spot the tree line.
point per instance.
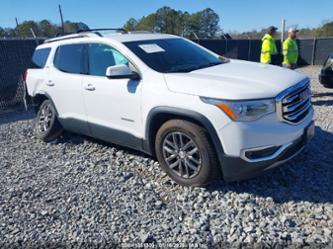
(43, 28)
(203, 24)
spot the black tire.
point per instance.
(205, 157)
(52, 128)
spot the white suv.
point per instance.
(201, 115)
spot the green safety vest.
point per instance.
(290, 52)
(268, 48)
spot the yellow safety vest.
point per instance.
(268, 48)
(290, 52)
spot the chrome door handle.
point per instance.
(50, 83)
(90, 87)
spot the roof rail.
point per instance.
(70, 36)
(141, 32)
(121, 30)
(83, 33)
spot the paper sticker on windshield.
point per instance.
(151, 48)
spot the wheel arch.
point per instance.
(39, 98)
(159, 115)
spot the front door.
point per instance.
(112, 105)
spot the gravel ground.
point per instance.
(81, 192)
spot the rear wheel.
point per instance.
(47, 126)
(185, 153)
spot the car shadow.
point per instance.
(307, 177)
(75, 139)
(16, 114)
(319, 95)
(318, 101)
(323, 102)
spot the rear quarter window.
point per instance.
(39, 57)
(68, 58)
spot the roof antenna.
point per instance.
(62, 20)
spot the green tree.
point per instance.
(205, 23)
(131, 24)
(148, 23)
(9, 32)
(23, 29)
(47, 29)
(2, 32)
(167, 20)
(326, 29)
(72, 27)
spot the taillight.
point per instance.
(25, 74)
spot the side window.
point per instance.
(39, 57)
(101, 57)
(68, 58)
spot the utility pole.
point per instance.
(16, 21)
(62, 19)
(283, 27)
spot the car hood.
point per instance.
(234, 80)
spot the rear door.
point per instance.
(65, 87)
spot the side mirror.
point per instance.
(121, 72)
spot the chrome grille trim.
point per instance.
(294, 102)
(294, 94)
(291, 108)
(299, 113)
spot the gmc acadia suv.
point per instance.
(203, 116)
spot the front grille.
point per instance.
(295, 103)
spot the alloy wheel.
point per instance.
(181, 154)
(45, 118)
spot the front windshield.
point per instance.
(172, 55)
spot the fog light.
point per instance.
(261, 153)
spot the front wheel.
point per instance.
(185, 153)
(47, 126)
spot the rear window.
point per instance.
(68, 58)
(39, 57)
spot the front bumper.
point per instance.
(236, 168)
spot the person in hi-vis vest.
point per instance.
(269, 51)
(290, 50)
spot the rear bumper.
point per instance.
(236, 168)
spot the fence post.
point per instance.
(314, 50)
(249, 54)
(226, 46)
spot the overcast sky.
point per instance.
(235, 15)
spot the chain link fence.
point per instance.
(15, 58)
(312, 51)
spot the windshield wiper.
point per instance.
(211, 64)
(193, 68)
(181, 70)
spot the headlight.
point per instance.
(243, 110)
